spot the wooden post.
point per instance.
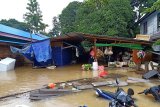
(30, 32)
(95, 49)
(146, 66)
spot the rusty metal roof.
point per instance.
(77, 37)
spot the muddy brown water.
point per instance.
(26, 78)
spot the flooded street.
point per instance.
(25, 79)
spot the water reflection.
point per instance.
(89, 74)
(7, 76)
(95, 73)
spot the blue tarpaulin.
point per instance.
(40, 52)
(27, 51)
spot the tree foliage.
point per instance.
(15, 24)
(34, 17)
(86, 17)
(104, 17)
(67, 17)
(140, 6)
(56, 27)
(155, 6)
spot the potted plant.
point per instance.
(156, 45)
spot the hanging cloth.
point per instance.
(77, 52)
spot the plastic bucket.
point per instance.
(95, 66)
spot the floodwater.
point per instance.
(26, 78)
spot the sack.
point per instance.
(110, 52)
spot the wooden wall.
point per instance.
(5, 52)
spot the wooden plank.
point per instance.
(84, 87)
(135, 80)
(143, 37)
(103, 83)
(54, 91)
(121, 83)
(40, 97)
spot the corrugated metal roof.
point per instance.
(20, 33)
(41, 35)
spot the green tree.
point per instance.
(119, 18)
(105, 17)
(89, 17)
(155, 6)
(34, 17)
(67, 17)
(140, 6)
(56, 27)
(15, 24)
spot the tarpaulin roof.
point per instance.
(124, 45)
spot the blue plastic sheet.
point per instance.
(26, 51)
(40, 52)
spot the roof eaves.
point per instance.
(14, 36)
(42, 36)
(20, 43)
(145, 16)
(17, 32)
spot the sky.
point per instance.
(17, 8)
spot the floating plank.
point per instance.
(121, 83)
(135, 80)
(40, 97)
(54, 91)
(83, 87)
(103, 83)
(47, 93)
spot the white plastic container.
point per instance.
(7, 64)
(95, 66)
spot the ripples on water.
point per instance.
(26, 78)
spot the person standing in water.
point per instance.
(108, 52)
(91, 55)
